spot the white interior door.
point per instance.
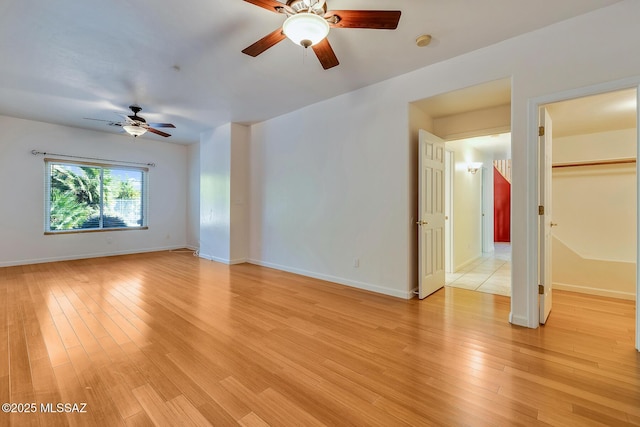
(545, 219)
(431, 214)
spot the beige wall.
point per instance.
(467, 204)
(482, 122)
(617, 144)
(594, 245)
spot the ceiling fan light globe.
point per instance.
(134, 131)
(305, 29)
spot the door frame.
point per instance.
(487, 208)
(449, 169)
(484, 247)
(534, 105)
(545, 147)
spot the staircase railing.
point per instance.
(504, 167)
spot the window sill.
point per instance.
(101, 230)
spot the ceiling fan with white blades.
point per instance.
(135, 125)
(308, 23)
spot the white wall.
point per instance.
(22, 180)
(224, 188)
(193, 196)
(329, 184)
(334, 180)
(215, 194)
(594, 246)
(239, 244)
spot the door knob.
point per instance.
(553, 224)
(421, 222)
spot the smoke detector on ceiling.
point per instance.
(423, 40)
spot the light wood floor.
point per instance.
(170, 339)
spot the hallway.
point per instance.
(490, 274)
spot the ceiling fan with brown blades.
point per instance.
(135, 125)
(308, 23)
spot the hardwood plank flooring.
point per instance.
(170, 339)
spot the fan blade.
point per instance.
(161, 125)
(98, 120)
(126, 118)
(271, 5)
(325, 54)
(265, 43)
(136, 118)
(157, 132)
(108, 122)
(374, 19)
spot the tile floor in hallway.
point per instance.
(490, 274)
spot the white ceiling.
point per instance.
(65, 60)
(596, 113)
(498, 147)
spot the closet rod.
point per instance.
(595, 163)
(44, 153)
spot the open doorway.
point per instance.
(481, 256)
(594, 246)
(597, 167)
(593, 204)
(484, 112)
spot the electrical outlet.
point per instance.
(356, 262)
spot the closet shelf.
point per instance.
(595, 163)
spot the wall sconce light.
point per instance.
(473, 167)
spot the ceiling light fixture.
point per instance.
(134, 130)
(305, 29)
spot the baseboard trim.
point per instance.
(334, 279)
(595, 291)
(223, 260)
(466, 263)
(87, 256)
(519, 320)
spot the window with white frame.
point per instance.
(92, 197)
